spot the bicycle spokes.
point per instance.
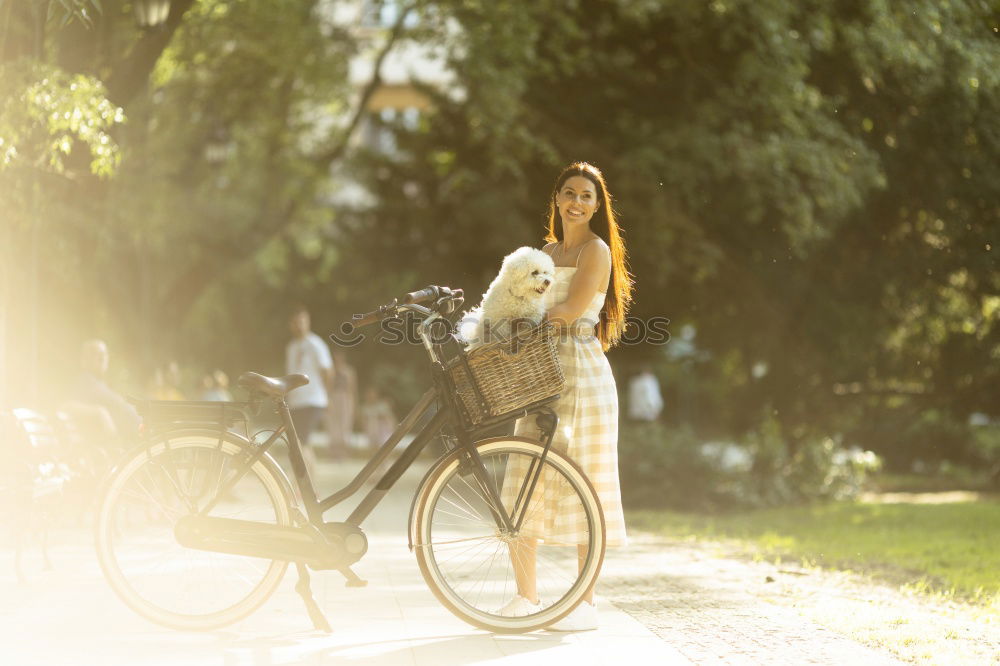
(479, 564)
(149, 496)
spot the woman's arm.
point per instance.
(592, 268)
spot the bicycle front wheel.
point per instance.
(149, 491)
(475, 565)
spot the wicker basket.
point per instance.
(501, 377)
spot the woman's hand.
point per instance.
(553, 317)
(557, 317)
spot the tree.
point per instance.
(812, 186)
(226, 158)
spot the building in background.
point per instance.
(397, 98)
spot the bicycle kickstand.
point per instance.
(305, 591)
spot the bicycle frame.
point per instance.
(327, 545)
(448, 413)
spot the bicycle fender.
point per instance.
(232, 437)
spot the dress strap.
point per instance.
(581, 250)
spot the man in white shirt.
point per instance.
(644, 398)
(307, 354)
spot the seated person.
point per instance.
(101, 414)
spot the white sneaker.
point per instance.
(519, 606)
(583, 618)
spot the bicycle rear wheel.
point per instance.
(467, 558)
(148, 492)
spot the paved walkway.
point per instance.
(710, 609)
(657, 604)
(69, 616)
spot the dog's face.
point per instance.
(529, 272)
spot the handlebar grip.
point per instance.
(426, 294)
(363, 320)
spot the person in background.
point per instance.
(215, 387)
(343, 399)
(307, 354)
(166, 381)
(377, 418)
(102, 414)
(645, 402)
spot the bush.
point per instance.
(663, 467)
(819, 468)
(986, 440)
(673, 467)
(911, 437)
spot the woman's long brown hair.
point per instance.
(612, 319)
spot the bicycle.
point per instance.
(197, 525)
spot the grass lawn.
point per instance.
(950, 549)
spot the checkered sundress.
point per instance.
(587, 433)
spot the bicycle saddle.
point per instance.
(271, 385)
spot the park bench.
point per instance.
(34, 479)
(52, 472)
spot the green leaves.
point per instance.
(811, 185)
(761, 153)
(45, 112)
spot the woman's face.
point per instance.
(577, 201)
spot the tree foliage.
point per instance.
(813, 186)
(45, 110)
(234, 124)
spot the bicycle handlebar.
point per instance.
(446, 301)
(422, 296)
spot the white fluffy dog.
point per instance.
(515, 294)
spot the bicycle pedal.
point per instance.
(352, 578)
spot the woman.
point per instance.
(587, 306)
